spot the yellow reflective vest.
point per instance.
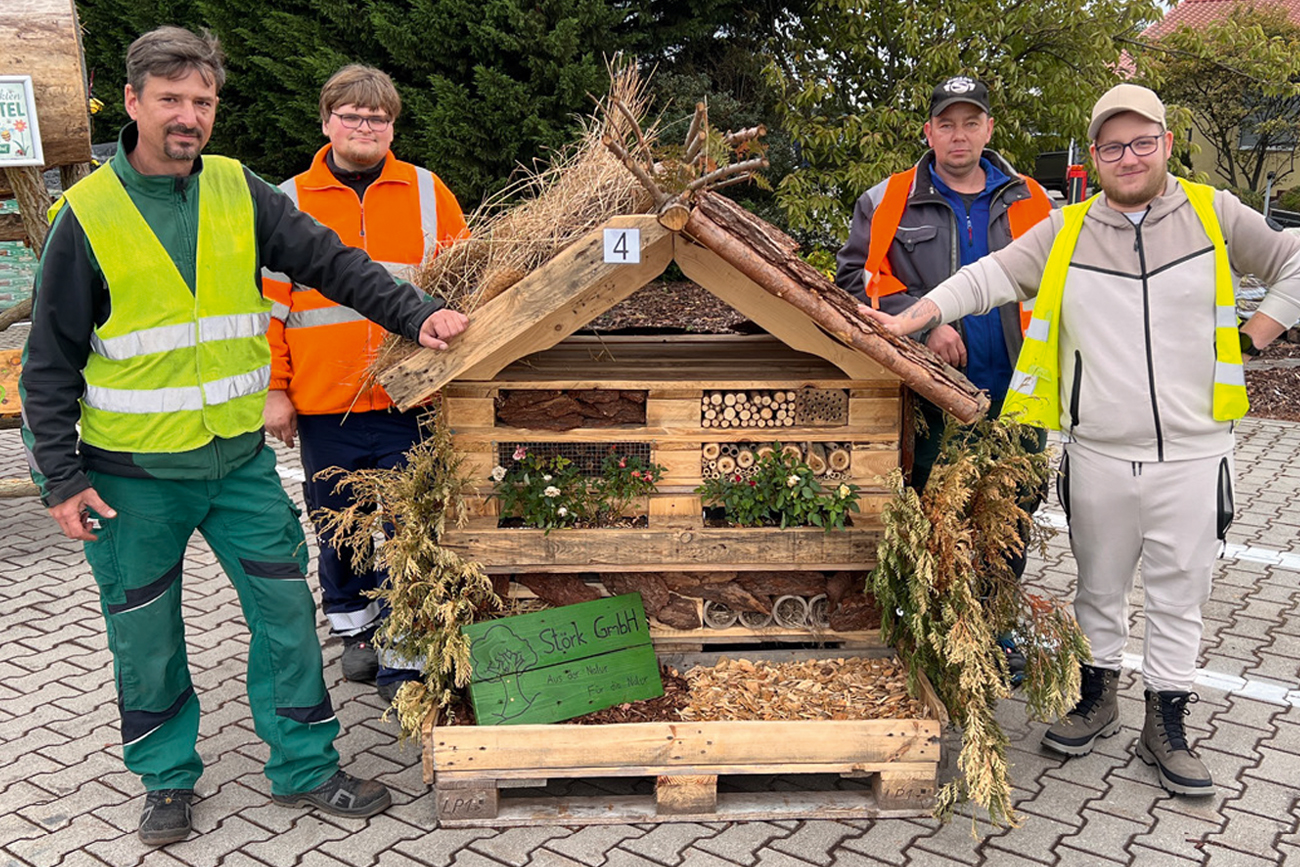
(171, 369)
(1034, 397)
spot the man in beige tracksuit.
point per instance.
(1135, 356)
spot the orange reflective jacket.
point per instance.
(320, 350)
(880, 280)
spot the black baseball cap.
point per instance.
(959, 88)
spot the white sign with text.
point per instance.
(20, 137)
(623, 246)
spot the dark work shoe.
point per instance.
(1015, 660)
(166, 816)
(1164, 744)
(342, 795)
(360, 663)
(1095, 716)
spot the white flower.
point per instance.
(551, 491)
(791, 481)
(561, 511)
(844, 491)
(498, 473)
(546, 478)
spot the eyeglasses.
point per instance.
(354, 121)
(1142, 146)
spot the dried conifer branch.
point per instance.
(636, 129)
(727, 171)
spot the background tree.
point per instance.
(1239, 79)
(855, 79)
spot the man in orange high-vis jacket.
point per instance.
(917, 228)
(400, 215)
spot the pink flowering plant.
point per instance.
(551, 492)
(782, 491)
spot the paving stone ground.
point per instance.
(65, 798)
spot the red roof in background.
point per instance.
(1198, 13)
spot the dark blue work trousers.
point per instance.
(353, 441)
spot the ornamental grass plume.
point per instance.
(947, 593)
(431, 592)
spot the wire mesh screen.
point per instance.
(587, 457)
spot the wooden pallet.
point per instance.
(477, 769)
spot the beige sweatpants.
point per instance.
(1163, 516)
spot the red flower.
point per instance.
(622, 464)
(737, 478)
(753, 484)
(20, 125)
(636, 474)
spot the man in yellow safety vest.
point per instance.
(1134, 354)
(144, 379)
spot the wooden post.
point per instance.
(686, 795)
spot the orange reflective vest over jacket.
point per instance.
(320, 350)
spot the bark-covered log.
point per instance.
(558, 590)
(773, 584)
(856, 611)
(654, 592)
(731, 594)
(767, 256)
(677, 580)
(550, 409)
(679, 613)
(841, 584)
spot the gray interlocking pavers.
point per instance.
(1178, 833)
(666, 843)
(364, 838)
(887, 841)
(439, 848)
(741, 841)
(1252, 833)
(50, 848)
(590, 845)
(1148, 857)
(817, 841)
(513, 845)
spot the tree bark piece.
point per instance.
(655, 594)
(856, 611)
(767, 256)
(28, 185)
(549, 409)
(558, 589)
(679, 613)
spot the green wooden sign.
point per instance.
(562, 662)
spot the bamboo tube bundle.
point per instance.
(710, 451)
(760, 409)
(726, 464)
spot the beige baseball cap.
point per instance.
(1122, 98)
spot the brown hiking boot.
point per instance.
(1164, 744)
(1095, 716)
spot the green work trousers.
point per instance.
(254, 530)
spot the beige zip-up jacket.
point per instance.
(1137, 317)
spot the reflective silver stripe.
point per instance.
(146, 341)
(1023, 383)
(392, 659)
(298, 287)
(140, 401)
(322, 316)
(1038, 330)
(1028, 305)
(401, 270)
(234, 326)
(352, 622)
(1225, 317)
(1229, 374)
(237, 386)
(279, 311)
(268, 274)
(428, 210)
(290, 189)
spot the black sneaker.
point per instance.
(342, 795)
(360, 662)
(166, 816)
(1016, 661)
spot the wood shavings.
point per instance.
(854, 688)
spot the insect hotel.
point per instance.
(816, 383)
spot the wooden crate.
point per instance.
(475, 767)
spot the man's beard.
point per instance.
(1153, 188)
(176, 151)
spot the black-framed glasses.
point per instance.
(354, 121)
(1142, 146)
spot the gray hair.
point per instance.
(172, 52)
